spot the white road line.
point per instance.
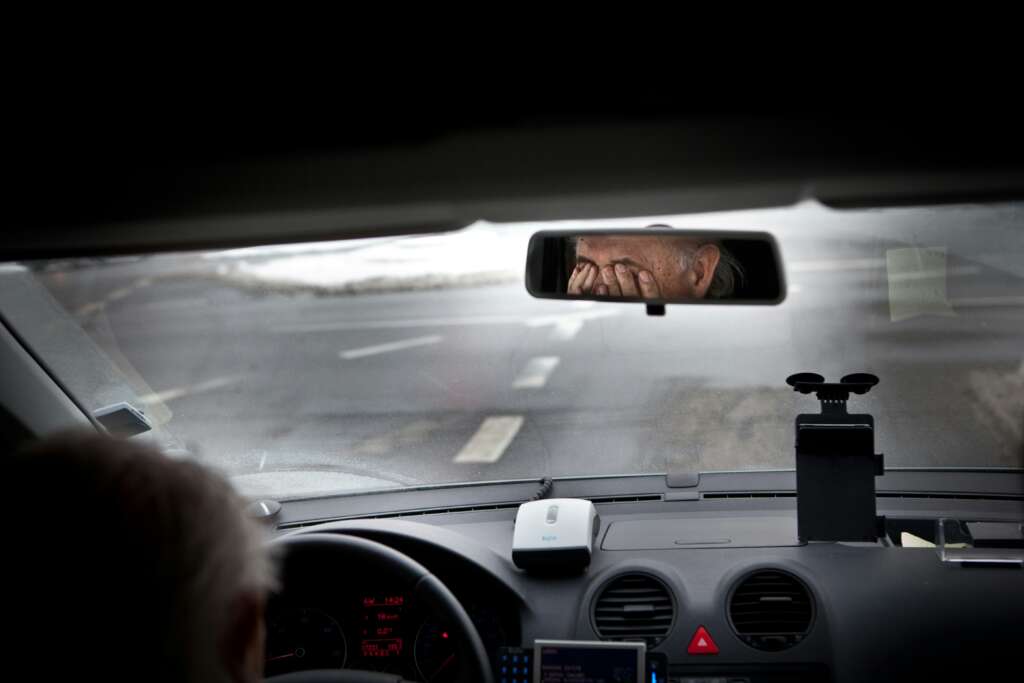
(567, 325)
(389, 347)
(982, 301)
(179, 392)
(144, 282)
(403, 323)
(535, 374)
(263, 461)
(566, 330)
(542, 320)
(119, 294)
(491, 440)
(90, 308)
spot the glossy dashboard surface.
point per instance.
(880, 611)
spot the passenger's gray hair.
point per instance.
(160, 552)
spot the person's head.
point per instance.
(133, 565)
(682, 267)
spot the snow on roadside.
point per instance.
(482, 253)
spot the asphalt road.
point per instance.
(293, 392)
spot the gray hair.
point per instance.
(161, 550)
(728, 273)
(230, 555)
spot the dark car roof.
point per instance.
(169, 181)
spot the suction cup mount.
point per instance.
(833, 395)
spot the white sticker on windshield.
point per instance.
(917, 282)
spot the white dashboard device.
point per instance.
(555, 535)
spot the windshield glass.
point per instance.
(404, 361)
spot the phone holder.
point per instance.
(836, 463)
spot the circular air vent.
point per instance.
(634, 607)
(771, 610)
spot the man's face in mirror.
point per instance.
(645, 266)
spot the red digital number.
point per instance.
(386, 601)
(387, 647)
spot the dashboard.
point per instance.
(717, 585)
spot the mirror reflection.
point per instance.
(652, 267)
(655, 265)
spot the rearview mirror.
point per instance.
(656, 266)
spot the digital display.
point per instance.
(381, 626)
(385, 647)
(383, 600)
(586, 662)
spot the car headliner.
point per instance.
(138, 192)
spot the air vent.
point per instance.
(749, 494)
(634, 607)
(771, 610)
(644, 498)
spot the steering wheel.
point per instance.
(306, 555)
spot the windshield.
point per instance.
(404, 361)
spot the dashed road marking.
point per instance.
(491, 440)
(115, 295)
(535, 374)
(118, 294)
(192, 389)
(567, 325)
(389, 347)
(566, 330)
(90, 308)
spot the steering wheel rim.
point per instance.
(299, 549)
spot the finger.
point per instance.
(648, 285)
(627, 285)
(579, 279)
(601, 290)
(575, 279)
(608, 278)
(590, 277)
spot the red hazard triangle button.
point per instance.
(701, 643)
